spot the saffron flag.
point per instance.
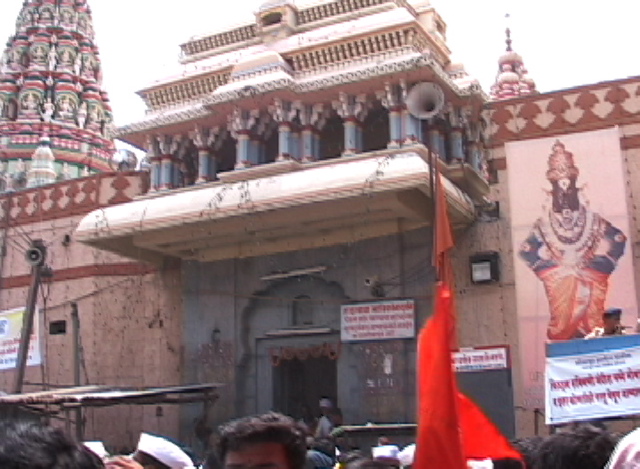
(481, 438)
(451, 428)
(438, 443)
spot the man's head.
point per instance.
(33, 446)
(611, 319)
(585, 447)
(268, 441)
(325, 405)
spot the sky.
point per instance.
(564, 43)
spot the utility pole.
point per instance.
(36, 256)
(77, 357)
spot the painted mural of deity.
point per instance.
(572, 250)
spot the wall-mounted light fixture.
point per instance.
(485, 267)
(215, 335)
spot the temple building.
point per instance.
(281, 242)
(55, 120)
(291, 175)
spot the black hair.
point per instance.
(585, 447)
(367, 463)
(145, 459)
(212, 462)
(528, 448)
(271, 427)
(32, 446)
(507, 463)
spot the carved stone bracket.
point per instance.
(242, 122)
(352, 107)
(393, 96)
(311, 116)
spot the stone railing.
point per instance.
(215, 41)
(72, 197)
(305, 62)
(338, 7)
(351, 50)
(178, 93)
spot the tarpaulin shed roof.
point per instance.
(103, 396)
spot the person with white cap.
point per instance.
(97, 448)
(627, 452)
(387, 454)
(155, 452)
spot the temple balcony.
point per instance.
(281, 206)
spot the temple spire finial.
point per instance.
(512, 79)
(508, 33)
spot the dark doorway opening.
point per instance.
(298, 386)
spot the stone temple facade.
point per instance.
(55, 120)
(291, 174)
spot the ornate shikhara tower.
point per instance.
(55, 119)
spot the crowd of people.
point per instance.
(275, 441)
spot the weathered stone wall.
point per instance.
(230, 297)
(130, 313)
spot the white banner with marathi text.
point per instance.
(593, 385)
(382, 320)
(480, 359)
(10, 332)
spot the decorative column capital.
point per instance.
(282, 111)
(165, 144)
(393, 96)
(311, 116)
(151, 143)
(200, 137)
(352, 107)
(241, 121)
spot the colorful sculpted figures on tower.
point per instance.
(573, 251)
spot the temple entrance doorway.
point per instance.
(301, 379)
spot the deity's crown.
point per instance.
(561, 163)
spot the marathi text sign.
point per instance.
(378, 321)
(484, 359)
(10, 331)
(593, 385)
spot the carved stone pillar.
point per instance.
(474, 145)
(456, 121)
(204, 139)
(155, 161)
(392, 98)
(353, 110)
(283, 113)
(313, 119)
(412, 128)
(168, 167)
(241, 124)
